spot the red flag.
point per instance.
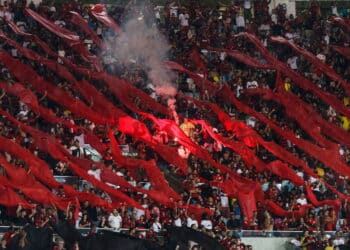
(344, 51)
(9, 198)
(320, 65)
(78, 20)
(67, 36)
(100, 13)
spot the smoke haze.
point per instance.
(143, 44)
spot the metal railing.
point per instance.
(67, 179)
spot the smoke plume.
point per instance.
(142, 44)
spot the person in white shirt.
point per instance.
(240, 23)
(115, 220)
(60, 23)
(157, 10)
(173, 11)
(247, 5)
(274, 17)
(247, 8)
(339, 240)
(302, 199)
(8, 15)
(95, 172)
(206, 223)
(334, 9)
(23, 114)
(138, 213)
(252, 84)
(292, 62)
(251, 121)
(300, 174)
(177, 221)
(14, 52)
(61, 53)
(322, 57)
(184, 17)
(289, 36)
(183, 152)
(52, 9)
(296, 242)
(80, 137)
(156, 225)
(192, 222)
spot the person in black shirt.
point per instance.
(91, 211)
(22, 217)
(234, 223)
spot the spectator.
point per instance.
(302, 199)
(59, 244)
(234, 222)
(84, 221)
(103, 222)
(339, 239)
(7, 237)
(22, 216)
(115, 220)
(95, 172)
(156, 225)
(240, 22)
(191, 221)
(206, 223)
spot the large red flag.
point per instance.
(320, 65)
(67, 36)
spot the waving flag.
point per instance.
(96, 107)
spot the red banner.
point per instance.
(199, 62)
(243, 58)
(330, 157)
(297, 213)
(31, 37)
(79, 21)
(317, 63)
(344, 51)
(307, 117)
(343, 21)
(100, 13)
(67, 36)
(9, 198)
(48, 144)
(27, 74)
(298, 79)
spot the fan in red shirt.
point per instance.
(151, 235)
(219, 224)
(218, 176)
(128, 221)
(8, 235)
(141, 223)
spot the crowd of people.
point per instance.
(188, 28)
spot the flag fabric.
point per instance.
(35, 182)
(100, 13)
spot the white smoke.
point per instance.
(143, 44)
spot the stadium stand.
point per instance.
(229, 121)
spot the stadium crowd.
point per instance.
(188, 28)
